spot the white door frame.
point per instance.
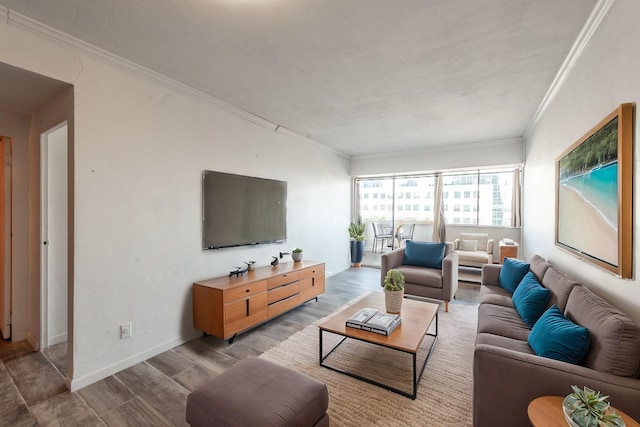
(44, 236)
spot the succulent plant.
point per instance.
(589, 408)
(394, 280)
(296, 250)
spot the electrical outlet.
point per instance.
(126, 331)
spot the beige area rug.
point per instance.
(444, 393)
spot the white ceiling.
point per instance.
(360, 76)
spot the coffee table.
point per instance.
(546, 411)
(417, 317)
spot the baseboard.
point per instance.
(57, 339)
(77, 383)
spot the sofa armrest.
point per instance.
(506, 381)
(490, 274)
(390, 260)
(489, 248)
(450, 275)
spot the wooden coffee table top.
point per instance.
(416, 319)
(546, 411)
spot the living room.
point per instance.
(140, 141)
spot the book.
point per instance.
(372, 320)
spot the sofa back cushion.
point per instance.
(539, 266)
(615, 339)
(560, 287)
(424, 254)
(481, 238)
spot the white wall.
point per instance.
(506, 152)
(604, 77)
(140, 147)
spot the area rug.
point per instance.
(444, 393)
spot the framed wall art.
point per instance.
(594, 194)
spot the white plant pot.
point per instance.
(393, 301)
(296, 256)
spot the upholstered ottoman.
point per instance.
(256, 392)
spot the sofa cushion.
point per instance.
(421, 276)
(477, 257)
(504, 342)
(615, 339)
(538, 266)
(560, 287)
(556, 337)
(512, 272)
(468, 245)
(497, 295)
(424, 254)
(500, 320)
(530, 299)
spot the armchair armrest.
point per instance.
(489, 248)
(505, 381)
(490, 274)
(450, 275)
(390, 260)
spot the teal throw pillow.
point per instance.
(556, 337)
(512, 272)
(530, 299)
(424, 254)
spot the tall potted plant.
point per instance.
(393, 291)
(356, 241)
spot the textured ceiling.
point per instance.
(360, 76)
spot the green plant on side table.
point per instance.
(588, 408)
(393, 290)
(296, 254)
(356, 237)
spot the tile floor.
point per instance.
(154, 392)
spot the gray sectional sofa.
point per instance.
(507, 374)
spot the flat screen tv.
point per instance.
(242, 210)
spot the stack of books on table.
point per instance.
(370, 319)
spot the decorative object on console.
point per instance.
(356, 242)
(588, 408)
(251, 265)
(239, 271)
(275, 261)
(594, 192)
(393, 291)
(296, 254)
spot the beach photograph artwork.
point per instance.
(588, 196)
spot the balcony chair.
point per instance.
(380, 234)
(404, 233)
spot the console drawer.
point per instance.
(282, 279)
(245, 312)
(311, 271)
(245, 291)
(283, 292)
(284, 305)
(311, 287)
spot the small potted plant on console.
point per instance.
(296, 254)
(393, 291)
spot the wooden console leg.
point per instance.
(446, 306)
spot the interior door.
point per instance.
(5, 237)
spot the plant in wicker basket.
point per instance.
(588, 408)
(393, 290)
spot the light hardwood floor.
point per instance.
(154, 392)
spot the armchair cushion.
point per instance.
(556, 337)
(424, 254)
(468, 245)
(530, 299)
(512, 272)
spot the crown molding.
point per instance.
(43, 31)
(577, 50)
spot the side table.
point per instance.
(546, 411)
(507, 250)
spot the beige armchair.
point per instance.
(474, 249)
(440, 284)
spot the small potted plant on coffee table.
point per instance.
(588, 408)
(393, 291)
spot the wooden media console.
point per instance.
(226, 306)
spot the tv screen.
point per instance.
(242, 210)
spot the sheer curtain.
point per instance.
(516, 220)
(439, 224)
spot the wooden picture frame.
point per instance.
(594, 194)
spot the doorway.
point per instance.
(54, 235)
